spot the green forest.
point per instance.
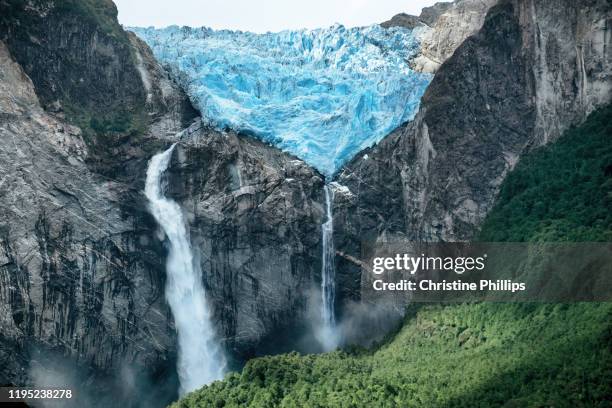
(560, 192)
(479, 354)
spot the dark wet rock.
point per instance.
(255, 215)
(402, 20)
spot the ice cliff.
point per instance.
(322, 95)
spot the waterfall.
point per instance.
(200, 358)
(327, 334)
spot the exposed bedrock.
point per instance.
(83, 107)
(534, 69)
(442, 28)
(255, 215)
(81, 275)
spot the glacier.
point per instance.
(322, 95)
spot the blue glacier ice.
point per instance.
(322, 95)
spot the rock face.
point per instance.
(82, 263)
(569, 48)
(80, 276)
(453, 24)
(255, 215)
(86, 69)
(402, 20)
(533, 69)
(442, 28)
(429, 15)
(39, 34)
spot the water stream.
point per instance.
(327, 334)
(200, 357)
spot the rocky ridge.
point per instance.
(442, 28)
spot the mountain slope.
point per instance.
(454, 356)
(512, 355)
(82, 263)
(516, 84)
(559, 193)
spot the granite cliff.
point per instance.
(83, 106)
(442, 28)
(534, 69)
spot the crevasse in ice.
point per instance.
(322, 95)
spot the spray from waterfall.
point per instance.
(327, 334)
(200, 358)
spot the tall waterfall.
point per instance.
(328, 335)
(200, 358)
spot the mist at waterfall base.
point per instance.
(200, 358)
(357, 323)
(323, 95)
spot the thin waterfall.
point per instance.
(327, 335)
(200, 357)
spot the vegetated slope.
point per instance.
(515, 355)
(90, 72)
(75, 52)
(561, 192)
